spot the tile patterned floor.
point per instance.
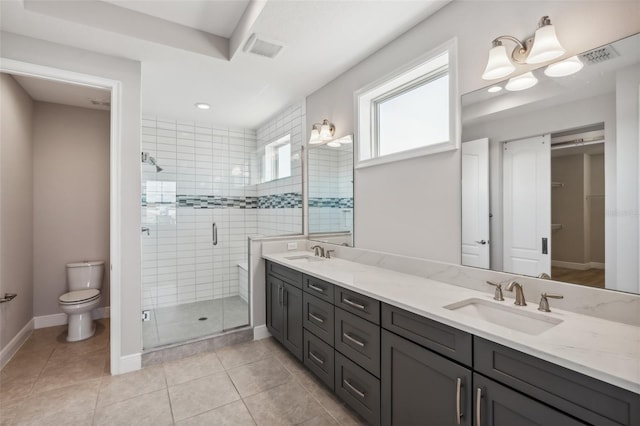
(52, 382)
(175, 324)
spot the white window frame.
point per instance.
(402, 79)
(271, 160)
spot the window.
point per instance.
(277, 160)
(161, 191)
(409, 113)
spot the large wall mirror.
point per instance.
(550, 173)
(330, 171)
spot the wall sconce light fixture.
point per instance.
(322, 132)
(542, 47)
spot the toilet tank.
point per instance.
(83, 275)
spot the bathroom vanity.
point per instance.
(402, 349)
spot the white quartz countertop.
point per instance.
(606, 350)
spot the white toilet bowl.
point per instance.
(84, 280)
(78, 306)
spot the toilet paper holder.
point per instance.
(8, 297)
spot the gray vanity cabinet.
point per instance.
(421, 387)
(292, 338)
(284, 307)
(585, 398)
(275, 312)
(497, 405)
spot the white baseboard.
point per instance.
(127, 364)
(18, 340)
(570, 265)
(53, 320)
(577, 266)
(260, 332)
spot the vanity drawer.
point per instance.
(291, 276)
(440, 338)
(359, 389)
(358, 304)
(319, 357)
(359, 340)
(317, 317)
(585, 398)
(318, 288)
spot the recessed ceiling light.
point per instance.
(494, 89)
(202, 105)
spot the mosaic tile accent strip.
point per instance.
(280, 201)
(276, 201)
(335, 203)
(216, 202)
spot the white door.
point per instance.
(527, 205)
(475, 203)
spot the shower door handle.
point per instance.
(214, 229)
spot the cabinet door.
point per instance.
(420, 386)
(275, 312)
(293, 320)
(497, 405)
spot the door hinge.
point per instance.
(146, 315)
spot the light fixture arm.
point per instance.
(520, 52)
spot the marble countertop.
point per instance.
(606, 350)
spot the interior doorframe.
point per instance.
(11, 66)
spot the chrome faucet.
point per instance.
(318, 250)
(519, 293)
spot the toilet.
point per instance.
(84, 281)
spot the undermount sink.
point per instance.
(306, 257)
(512, 317)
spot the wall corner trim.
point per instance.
(260, 332)
(128, 363)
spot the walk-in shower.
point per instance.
(210, 197)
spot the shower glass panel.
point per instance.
(196, 201)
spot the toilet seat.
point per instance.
(79, 296)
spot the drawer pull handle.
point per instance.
(317, 318)
(478, 410)
(354, 340)
(353, 388)
(354, 304)
(316, 288)
(316, 358)
(458, 387)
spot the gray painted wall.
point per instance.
(41, 52)
(16, 207)
(422, 195)
(71, 197)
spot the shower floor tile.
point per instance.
(179, 323)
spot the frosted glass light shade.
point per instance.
(499, 65)
(521, 82)
(564, 68)
(325, 132)
(315, 137)
(545, 46)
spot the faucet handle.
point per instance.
(498, 293)
(544, 302)
(328, 253)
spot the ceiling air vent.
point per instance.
(263, 47)
(601, 54)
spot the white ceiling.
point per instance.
(182, 65)
(217, 17)
(63, 93)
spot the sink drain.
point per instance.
(203, 319)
